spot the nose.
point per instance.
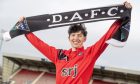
(76, 37)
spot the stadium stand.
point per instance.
(25, 75)
(21, 69)
(49, 77)
(0, 75)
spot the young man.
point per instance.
(75, 66)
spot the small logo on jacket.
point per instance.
(80, 53)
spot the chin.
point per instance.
(77, 47)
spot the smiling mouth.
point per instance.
(76, 42)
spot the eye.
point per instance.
(80, 35)
(73, 35)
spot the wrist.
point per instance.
(6, 36)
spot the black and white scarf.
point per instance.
(48, 21)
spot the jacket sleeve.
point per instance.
(101, 44)
(49, 51)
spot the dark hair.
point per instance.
(76, 28)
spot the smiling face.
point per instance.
(77, 35)
(77, 39)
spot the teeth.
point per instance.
(75, 42)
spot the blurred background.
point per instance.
(125, 58)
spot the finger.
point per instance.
(127, 5)
(21, 19)
(125, 2)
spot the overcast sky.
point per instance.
(127, 57)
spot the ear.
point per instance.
(69, 37)
(85, 39)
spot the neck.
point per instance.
(74, 49)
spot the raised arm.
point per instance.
(115, 31)
(48, 51)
